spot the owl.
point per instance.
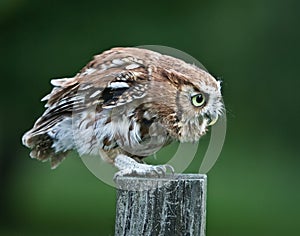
(124, 105)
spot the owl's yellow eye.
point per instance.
(198, 100)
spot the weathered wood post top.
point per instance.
(170, 205)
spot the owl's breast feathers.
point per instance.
(122, 98)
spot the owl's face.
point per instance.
(199, 106)
(189, 107)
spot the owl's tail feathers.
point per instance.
(41, 146)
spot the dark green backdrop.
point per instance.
(252, 45)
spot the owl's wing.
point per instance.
(123, 89)
(99, 83)
(103, 84)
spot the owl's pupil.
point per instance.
(199, 98)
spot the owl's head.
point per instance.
(194, 102)
(199, 106)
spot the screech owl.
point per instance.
(125, 105)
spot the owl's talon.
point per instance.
(170, 168)
(155, 172)
(128, 166)
(159, 170)
(125, 172)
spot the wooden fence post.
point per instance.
(171, 205)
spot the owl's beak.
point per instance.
(213, 118)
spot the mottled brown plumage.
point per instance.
(125, 104)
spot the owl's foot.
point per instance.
(129, 166)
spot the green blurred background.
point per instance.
(253, 46)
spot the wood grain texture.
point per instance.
(172, 205)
